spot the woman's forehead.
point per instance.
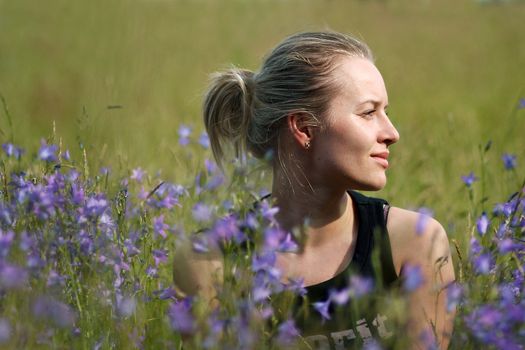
(360, 80)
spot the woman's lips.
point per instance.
(381, 158)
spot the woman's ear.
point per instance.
(301, 128)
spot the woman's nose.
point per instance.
(390, 134)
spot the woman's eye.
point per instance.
(369, 113)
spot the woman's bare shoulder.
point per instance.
(416, 238)
(197, 273)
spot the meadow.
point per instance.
(105, 169)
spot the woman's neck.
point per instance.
(322, 212)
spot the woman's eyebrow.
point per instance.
(372, 101)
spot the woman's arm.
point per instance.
(425, 245)
(197, 273)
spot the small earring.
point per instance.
(307, 145)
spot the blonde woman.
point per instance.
(319, 105)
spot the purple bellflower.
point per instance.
(77, 194)
(424, 216)
(429, 340)
(12, 277)
(483, 263)
(323, 307)
(204, 140)
(160, 256)
(152, 271)
(5, 330)
(482, 224)
(215, 181)
(504, 209)
(216, 327)
(288, 244)
(6, 239)
(27, 241)
(167, 293)
(260, 293)
(211, 166)
(137, 174)
(250, 221)
(201, 212)
(264, 262)
(180, 316)
(360, 286)
(125, 305)
(507, 245)
(12, 150)
(469, 179)
(454, 294)
(413, 277)
(340, 297)
(48, 308)
(287, 333)
(159, 227)
(6, 214)
(509, 161)
(200, 244)
(54, 279)
(277, 239)
(166, 196)
(296, 285)
(475, 246)
(521, 103)
(47, 152)
(265, 312)
(268, 212)
(184, 135)
(226, 228)
(41, 202)
(96, 206)
(66, 156)
(372, 344)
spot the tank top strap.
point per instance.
(373, 213)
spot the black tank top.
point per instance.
(351, 328)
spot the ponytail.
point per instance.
(228, 111)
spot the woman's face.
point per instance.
(351, 151)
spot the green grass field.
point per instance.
(119, 78)
(453, 70)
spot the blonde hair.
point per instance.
(246, 109)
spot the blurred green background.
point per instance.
(121, 76)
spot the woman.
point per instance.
(319, 106)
